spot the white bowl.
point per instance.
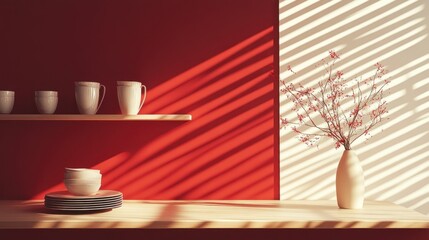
(81, 170)
(46, 94)
(82, 175)
(83, 189)
(6, 93)
(46, 104)
(83, 180)
(6, 103)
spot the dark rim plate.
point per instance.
(82, 205)
(101, 194)
(83, 201)
(83, 209)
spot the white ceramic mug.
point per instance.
(46, 101)
(7, 99)
(130, 96)
(87, 96)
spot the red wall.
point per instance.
(212, 59)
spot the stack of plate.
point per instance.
(65, 201)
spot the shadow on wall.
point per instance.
(225, 152)
(228, 140)
(395, 33)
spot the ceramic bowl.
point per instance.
(46, 94)
(7, 99)
(82, 175)
(95, 179)
(67, 169)
(46, 101)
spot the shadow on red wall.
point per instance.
(212, 59)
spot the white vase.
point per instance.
(350, 182)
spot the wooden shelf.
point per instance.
(215, 214)
(96, 117)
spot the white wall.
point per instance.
(395, 33)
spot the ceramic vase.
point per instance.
(350, 181)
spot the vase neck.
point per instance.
(349, 153)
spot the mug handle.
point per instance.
(144, 98)
(102, 98)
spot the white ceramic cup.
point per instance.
(130, 96)
(68, 169)
(83, 180)
(7, 99)
(81, 173)
(87, 96)
(46, 101)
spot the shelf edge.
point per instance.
(96, 117)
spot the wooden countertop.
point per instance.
(215, 214)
